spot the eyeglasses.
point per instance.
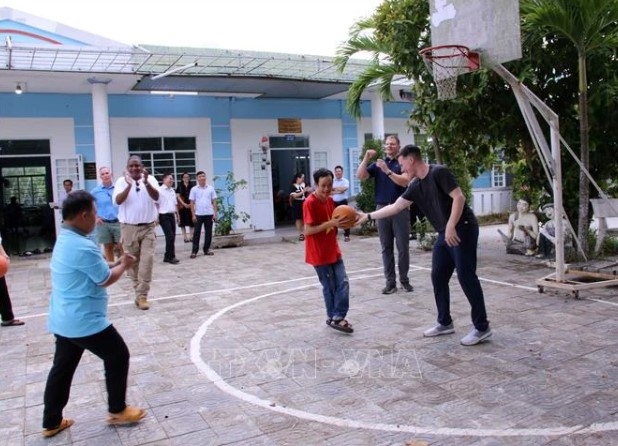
(137, 189)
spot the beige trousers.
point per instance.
(139, 241)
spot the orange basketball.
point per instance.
(4, 265)
(345, 211)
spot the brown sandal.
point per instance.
(66, 422)
(341, 325)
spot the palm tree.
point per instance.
(590, 25)
(392, 59)
(381, 70)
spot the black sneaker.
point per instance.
(389, 289)
(406, 286)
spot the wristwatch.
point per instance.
(389, 173)
(369, 217)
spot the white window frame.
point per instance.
(498, 175)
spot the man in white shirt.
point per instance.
(62, 195)
(168, 216)
(340, 194)
(136, 194)
(203, 200)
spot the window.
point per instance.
(355, 183)
(498, 177)
(25, 183)
(25, 147)
(320, 159)
(162, 155)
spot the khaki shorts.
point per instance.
(108, 233)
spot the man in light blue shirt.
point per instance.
(78, 317)
(108, 227)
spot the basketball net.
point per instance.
(445, 63)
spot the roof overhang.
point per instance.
(243, 86)
(144, 69)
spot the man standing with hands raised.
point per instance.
(136, 194)
(394, 230)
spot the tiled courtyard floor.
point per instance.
(234, 350)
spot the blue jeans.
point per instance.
(462, 258)
(335, 288)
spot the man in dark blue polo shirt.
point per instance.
(390, 183)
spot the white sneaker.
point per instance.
(439, 330)
(476, 337)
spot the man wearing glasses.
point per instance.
(136, 194)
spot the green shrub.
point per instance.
(365, 200)
(226, 210)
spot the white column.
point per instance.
(100, 118)
(377, 115)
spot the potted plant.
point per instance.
(227, 214)
(426, 234)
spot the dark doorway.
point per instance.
(285, 164)
(26, 190)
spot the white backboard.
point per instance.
(488, 26)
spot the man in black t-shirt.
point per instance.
(440, 198)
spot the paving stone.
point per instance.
(268, 371)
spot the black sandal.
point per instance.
(340, 325)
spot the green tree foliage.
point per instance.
(465, 132)
(589, 26)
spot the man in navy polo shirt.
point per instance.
(390, 183)
(108, 227)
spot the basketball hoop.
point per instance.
(445, 63)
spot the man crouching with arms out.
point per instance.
(78, 317)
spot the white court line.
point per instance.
(298, 279)
(212, 375)
(602, 301)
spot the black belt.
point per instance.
(115, 220)
(167, 213)
(140, 224)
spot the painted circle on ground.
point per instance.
(223, 385)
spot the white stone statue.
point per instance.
(523, 231)
(547, 234)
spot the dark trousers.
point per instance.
(6, 309)
(346, 232)
(206, 221)
(462, 258)
(168, 225)
(107, 345)
(395, 231)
